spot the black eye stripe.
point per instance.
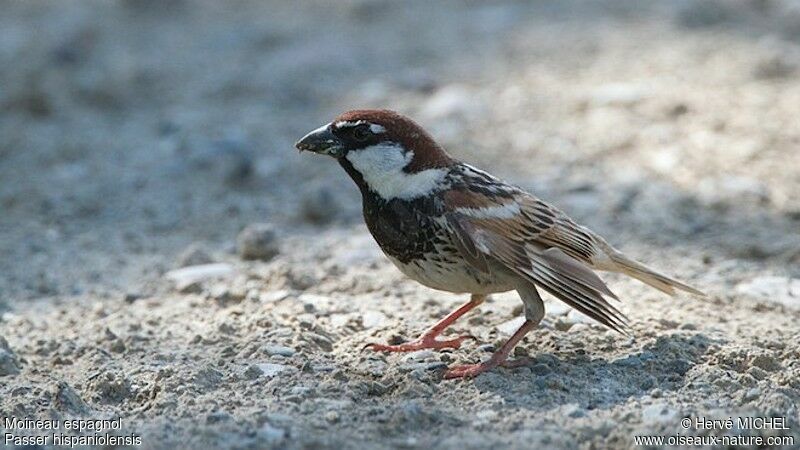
(361, 132)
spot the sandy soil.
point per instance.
(140, 137)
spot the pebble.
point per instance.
(618, 94)
(67, 400)
(752, 394)
(509, 327)
(419, 355)
(279, 350)
(270, 369)
(766, 362)
(257, 241)
(187, 278)
(557, 308)
(275, 296)
(8, 361)
(194, 255)
(373, 319)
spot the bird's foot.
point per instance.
(473, 370)
(425, 342)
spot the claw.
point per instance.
(368, 346)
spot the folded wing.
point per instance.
(534, 241)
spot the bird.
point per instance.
(455, 228)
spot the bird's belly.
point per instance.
(452, 275)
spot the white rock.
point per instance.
(576, 316)
(509, 327)
(274, 296)
(193, 274)
(373, 319)
(783, 290)
(618, 94)
(557, 308)
(257, 241)
(270, 369)
(339, 320)
(279, 350)
(419, 355)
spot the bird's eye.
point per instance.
(361, 133)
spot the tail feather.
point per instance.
(649, 276)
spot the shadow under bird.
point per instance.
(459, 229)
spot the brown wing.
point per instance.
(535, 241)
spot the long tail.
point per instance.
(649, 276)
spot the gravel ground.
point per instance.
(166, 258)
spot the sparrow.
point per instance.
(455, 228)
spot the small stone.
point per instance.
(188, 278)
(194, 255)
(8, 361)
(332, 417)
(279, 350)
(67, 400)
(270, 369)
(274, 296)
(511, 326)
(574, 411)
(752, 394)
(257, 241)
(110, 388)
(766, 362)
(373, 319)
(618, 94)
(252, 372)
(557, 308)
(131, 297)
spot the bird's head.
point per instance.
(384, 152)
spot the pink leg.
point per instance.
(497, 359)
(428, 339)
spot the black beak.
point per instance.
(322, 141)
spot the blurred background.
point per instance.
(132, 128)
(141, 136)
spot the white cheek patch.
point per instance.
(382, 168)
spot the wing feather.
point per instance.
(540, 244)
